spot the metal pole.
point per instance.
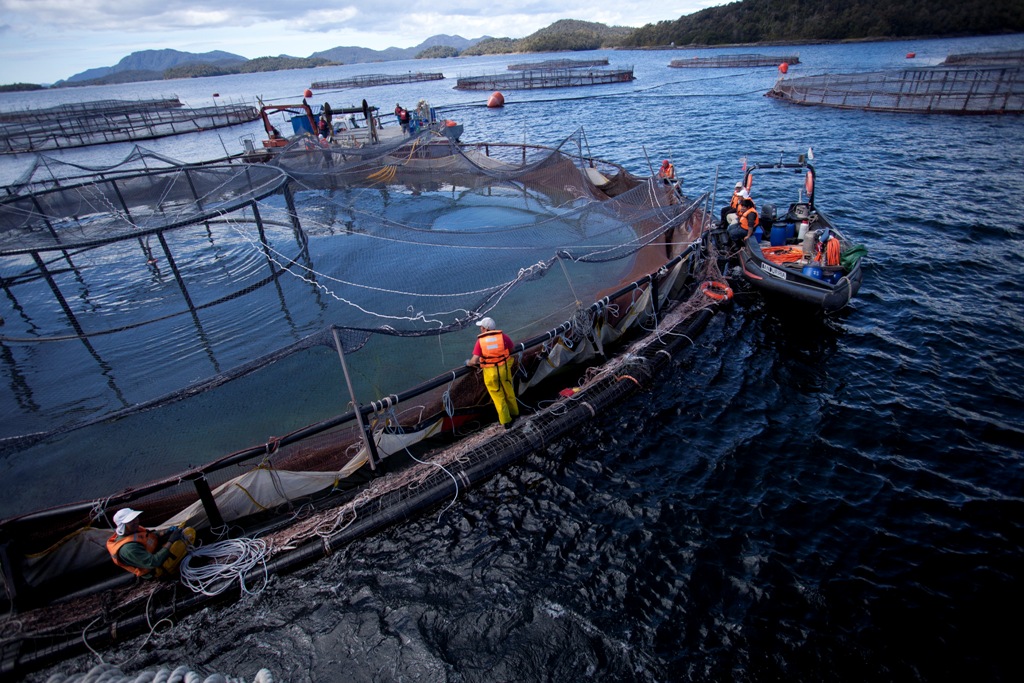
(371, 447)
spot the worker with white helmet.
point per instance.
(493, 353)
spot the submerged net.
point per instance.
(995, 89)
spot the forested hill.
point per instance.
(753, 21)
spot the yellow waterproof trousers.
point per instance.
(498, 380)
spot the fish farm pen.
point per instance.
(370, 80)
(558, 64)
(924, 90)
(546, 78)
(745, 60)
(96, 123)
(981, 58)
(272, 281)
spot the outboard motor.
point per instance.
(768, 217)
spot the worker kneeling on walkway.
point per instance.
(147, 554)
(493, 353)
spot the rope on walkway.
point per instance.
(110, 673)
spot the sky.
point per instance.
(42, 41)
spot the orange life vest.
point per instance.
(736, 199)
(668, 171)
(143, 536)
(749, 220)
(492, 348)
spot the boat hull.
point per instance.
(792, 285)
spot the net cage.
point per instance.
(980, 89)
(735, 60)
(266, 281)
(106, 121)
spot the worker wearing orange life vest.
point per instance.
(492, 353)
(734, 203)
(667, 172)
(748, 216)
(147, 554)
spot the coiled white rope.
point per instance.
(110, 673)
(228, 560)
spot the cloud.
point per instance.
(101, 32)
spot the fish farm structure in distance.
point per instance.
(546, 78)
(962, 89)
(558, 64)
(745, 60)
(103, 121)
(370, 80)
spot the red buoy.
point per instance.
(911, 55)
(496, 100)
(307, 93)
(784, 67)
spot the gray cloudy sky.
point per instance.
(42, 41)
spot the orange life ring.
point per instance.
(713, 289)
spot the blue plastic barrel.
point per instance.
(758, 233)
(812, 271)
(790, 230)
(778, 237)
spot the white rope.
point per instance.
(228, 560)
(110, 673)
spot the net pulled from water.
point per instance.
(978, 89)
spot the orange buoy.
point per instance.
(307, 93)
(809, 183)
(750, 182)
(911, 55)
(496, 101)
(784, 67)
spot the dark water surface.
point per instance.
(795, 500)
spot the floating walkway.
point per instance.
(982, 58)
(744, 60)
(370, 80)
(924, 90)
(97, 123)
(546, 78)
(558, 64)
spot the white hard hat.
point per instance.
(487, 322)
(122, 517)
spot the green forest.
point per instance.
(758, 21)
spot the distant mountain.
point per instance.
(157, 61)
(362, 55)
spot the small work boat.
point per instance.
(799, 256)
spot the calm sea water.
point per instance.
(796, 499)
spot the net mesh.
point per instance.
(950, 90)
